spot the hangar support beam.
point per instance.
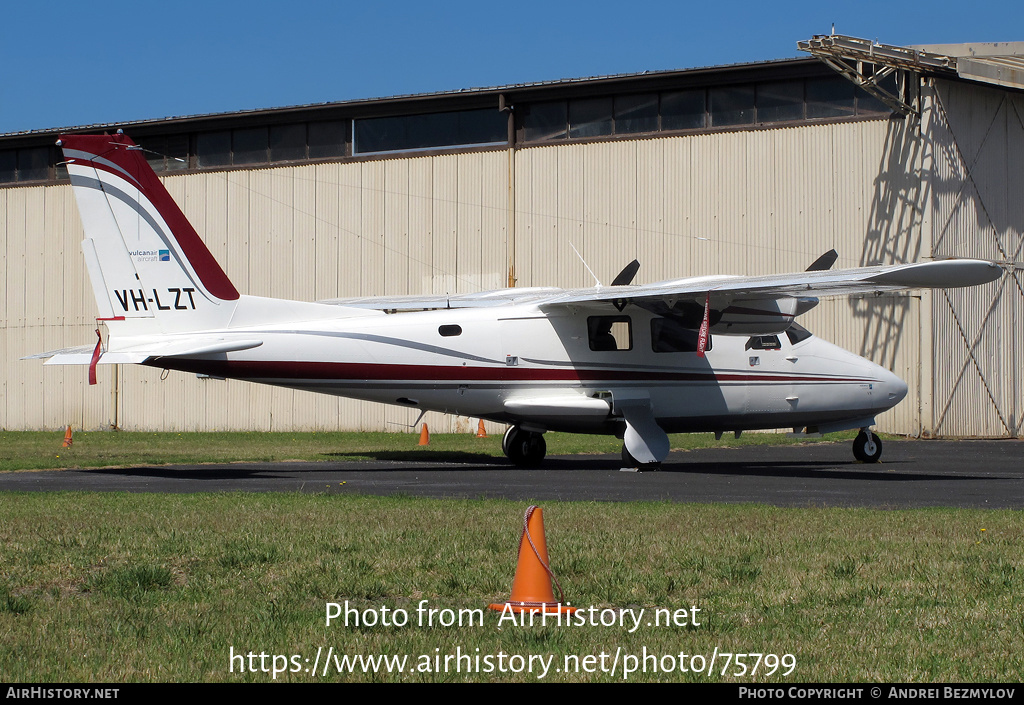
(868, 65)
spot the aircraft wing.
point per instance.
(862, 280)
(480, 299)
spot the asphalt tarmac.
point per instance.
(988, 474)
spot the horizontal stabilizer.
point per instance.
(134, 354)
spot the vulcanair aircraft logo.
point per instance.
(150, 255)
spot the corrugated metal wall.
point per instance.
(743, 202)
(976, 180)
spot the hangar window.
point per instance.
(8, 166)
(731, 105)
(166, 152)
(31, 164)
(249, 146)
(683, 110)
(288, 142)
(636, 113)
(610, 333)
(591, 117)
(256, 145)
(670, 335)
(463, 128)
(767, 102)
(779, 101)
(829, 97)
(545, 121)
(213, 148)
(327, 139)
(34, 164)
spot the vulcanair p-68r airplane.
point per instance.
(710, 353)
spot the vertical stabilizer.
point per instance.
(147, 264)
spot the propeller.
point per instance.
(824, 262)
(625, 277)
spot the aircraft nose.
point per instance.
(895, 387)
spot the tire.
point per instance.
(525, 449)
(867, 450)
(507, 439)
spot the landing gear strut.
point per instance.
(867, 447)
(526, 449)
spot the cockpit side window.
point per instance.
(610, 333)
(797, 333)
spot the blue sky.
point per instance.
(76, 63)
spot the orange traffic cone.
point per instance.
(531, 588)
(480, 431)
(424, 436)
(67, 438)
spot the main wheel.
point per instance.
(628, 461)
(867, 449)
(526, 449)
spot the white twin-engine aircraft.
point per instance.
(714, 353)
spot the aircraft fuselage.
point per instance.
(561, 370)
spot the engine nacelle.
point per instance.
(760, 316)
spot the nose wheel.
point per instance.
(526, 449)
(867, 447)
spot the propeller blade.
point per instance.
(824, 262)
(625, 277)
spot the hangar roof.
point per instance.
(466, 97)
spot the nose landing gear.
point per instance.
(867, 447)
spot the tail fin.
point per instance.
(146, 262)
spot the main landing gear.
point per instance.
(526, 449)
(867, 447)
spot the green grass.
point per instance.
(31, 450)
(136, 587)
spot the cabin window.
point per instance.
(764, 342)
(450, 331)
(670, 335)
(610, 333)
